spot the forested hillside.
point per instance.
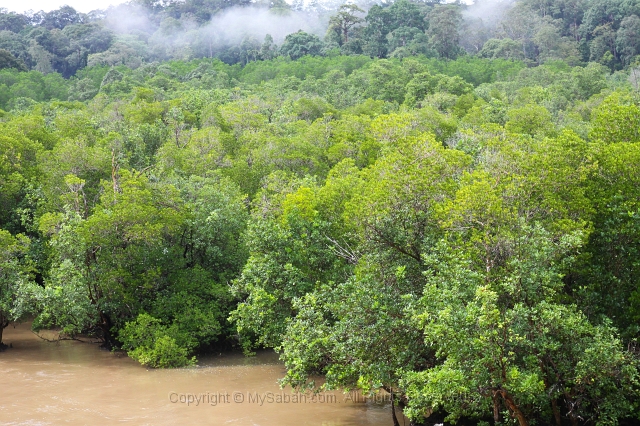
(455, 223)
(242, 31)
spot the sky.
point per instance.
(48, 5)
(83, 6)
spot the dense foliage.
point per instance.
(460, 231)
(240, 31)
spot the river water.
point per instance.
(74, 383)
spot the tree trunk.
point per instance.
(393, 410)
(556, 412)
(511, 405)
(115, 167)
(105, 326)
(4, 321)
(496, 408)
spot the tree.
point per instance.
(628, 38)
(502, 48)
(250, 48)
(149, 342)
(609, 272)
(341, 24)
(603, 48)
(531, 120)
(496, 279)
(382, 80)
(488, 326)
(14, 278)
(42, 58)
(552, 45)
(616, 120)
(520, 23)
(7, 60)
(268, 49)
(444, 31)
(381, 21)
(299, 44)
(18, 168)
(392, 214)
(375, 32)
(134, 221)
(11, 21)
(289, 253)
(60, 18)
(406, 38)
(424, 84)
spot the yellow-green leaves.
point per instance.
(617, 119)
(530, 120)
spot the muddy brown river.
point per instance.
(74, 383)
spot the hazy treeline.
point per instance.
(144, 31)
